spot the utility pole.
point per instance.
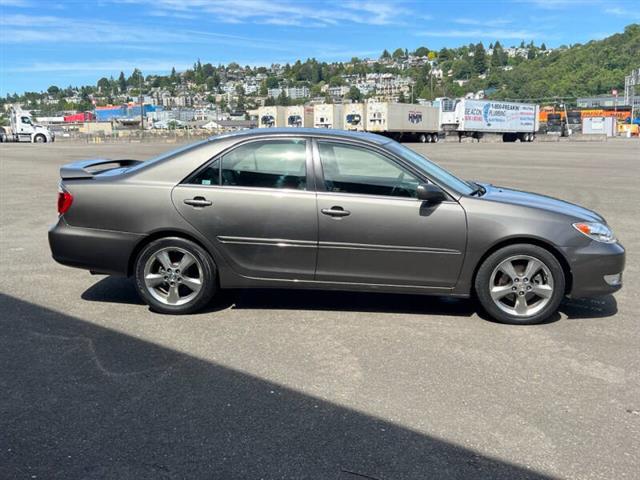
(141, 105)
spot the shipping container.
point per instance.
(403, 121)
(355, 117)
(327, 115)
(299, 116)
(271, 117)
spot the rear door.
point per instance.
(373, 229)
(257, 205)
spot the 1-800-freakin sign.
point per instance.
(498, 116)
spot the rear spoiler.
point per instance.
(88, 168)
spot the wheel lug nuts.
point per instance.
(516, 280)
(514, 288)
(525, 279)
(521, 293)
(528, 288)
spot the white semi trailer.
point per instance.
(299, 116)
(404, 121)
(475, 118)
(271, 117)
(22, 129)
(355, 117)
(328, 115)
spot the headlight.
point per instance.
(596, 231)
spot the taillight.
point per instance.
(65, 199)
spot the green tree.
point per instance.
(122, 82)
(385, 54)
(354, 94)
(421, 52)
(398, 53)
(498, 55)
(479, 59)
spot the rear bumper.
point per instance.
(591, 264)
(101, 251)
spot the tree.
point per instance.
(543, 47)
(421, 52)
(401, 98)
(479, 59)
(135, 80)
(283, 99)
(398, 53)
(122, 83)
(53, 90)
(336, 81)
(354, 94)
(497, 57)
(174, 76)
(272, 82)
(432, 55)
(385, 54)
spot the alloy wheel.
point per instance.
(173, 276)
(521, 285)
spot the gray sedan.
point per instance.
(316, 209)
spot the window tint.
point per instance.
(351, 169)
(208, 176)
(267, 164)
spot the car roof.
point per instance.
(306, 132)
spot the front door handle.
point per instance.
(336, 212)
(198, 202)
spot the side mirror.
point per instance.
(430, 193)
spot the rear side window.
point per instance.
(208, 176)
(267, 164)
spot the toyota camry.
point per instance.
(326, 209)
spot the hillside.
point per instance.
(590, 69)
(528, 73)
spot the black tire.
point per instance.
(483, 284)
(209, 276)
(422, 138)
(40, 138)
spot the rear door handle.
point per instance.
(335, 212)
(198, 202)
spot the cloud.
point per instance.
(25, 29)
(480, 33)
(286, 12)
(623, 12)
(496, 22)
(16, 3)
(106, 66)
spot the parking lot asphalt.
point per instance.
(318, 385)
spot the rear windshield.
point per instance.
(167, 155)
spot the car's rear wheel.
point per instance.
(520, 284)
(176, 276)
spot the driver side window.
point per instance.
(351, 169)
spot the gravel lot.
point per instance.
(282, 384)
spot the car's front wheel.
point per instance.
(174, 275)
(520, 284)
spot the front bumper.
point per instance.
(101, 251)
(593, 268)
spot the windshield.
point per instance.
(437, 173)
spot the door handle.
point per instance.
(336, 212)
(198, 202)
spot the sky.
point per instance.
(76, 42)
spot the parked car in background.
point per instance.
(326, 209)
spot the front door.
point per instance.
(254, 203)
(373, 229)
